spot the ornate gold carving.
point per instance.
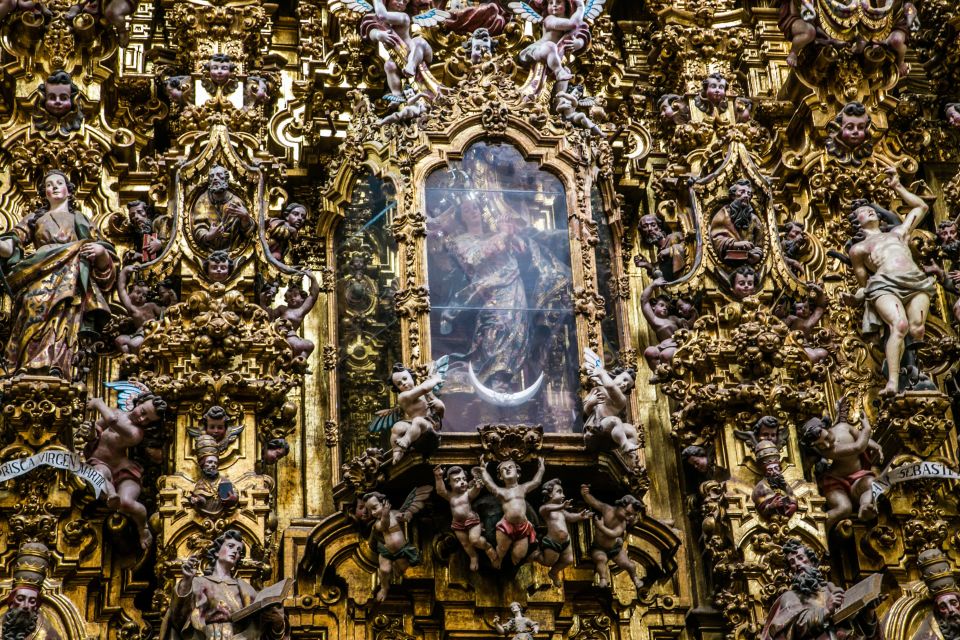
(516, 442)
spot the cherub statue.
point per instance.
(610, 527)
(766, 428)
(805, 316)
(177, 89)
(135, 299)
(565, 25)
(58, 97)
(410, 106)
(952, 112)
(213, 494)
(713, 94)
(466, 523)
(849, 134)
(797, 20)
(848, 478)
(480, 45)
(59, 94)
(555, 549)
(664, 324)
(391, 25)
(857, 22)
(256, 91)
(606, 402)
(218, 266)
(520, 626)
(395, 552)
(217, 425)
(697, 458)
(116, 12)
(275, 450)
(743, 281)
(283, 230)
(515, 533)
(417, 404)
(673, 108)
(298, 304)
(221, 68)
(895, 292)
(117, 430)
(566, 104)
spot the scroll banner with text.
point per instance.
(67, 460)
(912, 471)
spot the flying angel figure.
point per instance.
(606, 402)
(395, 552)
(565, 25)
(418, 411)
(391, 26)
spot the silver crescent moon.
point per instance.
(500, 398)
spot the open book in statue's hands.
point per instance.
(274, 594)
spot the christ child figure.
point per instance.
(556, 550)
(515, 533)
(466, 523)
(610, 527)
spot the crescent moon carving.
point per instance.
(500, 398)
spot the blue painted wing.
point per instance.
(432, 18)
(526, 12)
(384, 420)
(394, 99)
(360, 6)
(592, 9)
(127, 392)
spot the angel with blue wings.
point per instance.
(391, 25)
(418, 410)
(565, 25)
(117, 430)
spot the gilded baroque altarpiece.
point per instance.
(465, 319)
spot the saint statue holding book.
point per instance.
(219, 606)
(814, 608)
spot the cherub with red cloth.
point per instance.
(515, 533)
